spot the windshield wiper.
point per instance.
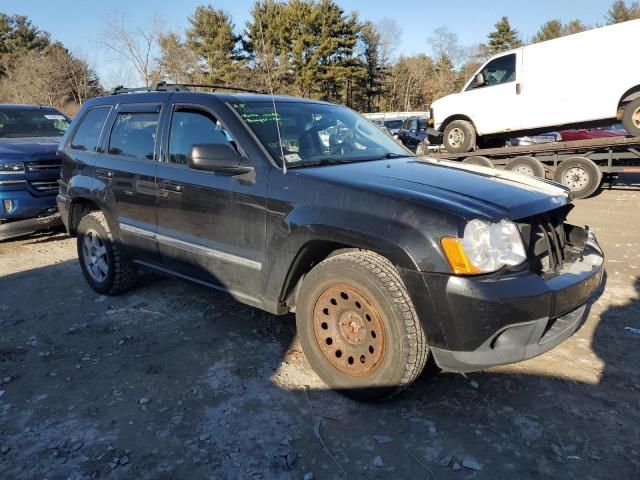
(322, 161)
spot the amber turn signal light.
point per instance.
(460, 264)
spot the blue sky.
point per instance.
(78, 23)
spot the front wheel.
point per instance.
(459, 137)
(103, 264)
(358, 327)
(631, 118)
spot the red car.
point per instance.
(591, 133)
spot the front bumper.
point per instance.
(506, 319)
(18, 228)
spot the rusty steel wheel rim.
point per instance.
(348, 330)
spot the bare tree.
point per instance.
(137, 46)
(444, 43)
(51, 77)
(390, 39)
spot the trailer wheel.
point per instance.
(529, 166)
(478, 160)
(631, 118)
(580, 174)
(459, 137)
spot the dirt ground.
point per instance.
(176, 381)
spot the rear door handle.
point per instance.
(518, 89)
(170, 186)
(103, 172)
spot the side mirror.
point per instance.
(479, 81)
(216, 157)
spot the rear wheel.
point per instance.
(104, 266)
(631, 118)
(580, 174)
(459, 137)
(358, 327)
(478, 160)
(526, 166)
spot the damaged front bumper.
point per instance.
(507, 319)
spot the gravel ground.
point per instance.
(176, 381)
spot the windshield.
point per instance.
(315, 133)
(15, 123)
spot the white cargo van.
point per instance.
(587, 79)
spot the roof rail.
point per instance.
(177, 87)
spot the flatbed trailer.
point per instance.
(582, 165)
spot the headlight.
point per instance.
(485, 247)
(11, 168)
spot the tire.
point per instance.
(358, 327)
(631, 117)
(580, 174)
(529, 166)
(103, 264)
(459, 137)
(421, 149)
(478, 160)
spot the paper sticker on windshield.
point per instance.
(292, 157)
(54, 117)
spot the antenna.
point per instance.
(273, 99)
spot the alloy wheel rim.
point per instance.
(456, 137)
(576, 178)
(95, 256)
(348, 330)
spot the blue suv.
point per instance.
(29, 168)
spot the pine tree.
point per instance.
(212, 37)
(619, 12)
(18, 35)
(503, 38)
(555, 29)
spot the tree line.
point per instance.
(310, 48)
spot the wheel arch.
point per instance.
(82, 205)
(315, 250)
(453, 118)
(630, 95)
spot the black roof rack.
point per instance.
(178, 87)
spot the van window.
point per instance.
(194, 127)
(499, 71)
(87, 135)
(134, 134)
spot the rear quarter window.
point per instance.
(87, 135)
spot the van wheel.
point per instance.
(103, 265)
(580, 174)
(631, 118)
(358, 327)
(529, 166)
(459, 137)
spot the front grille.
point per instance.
(52, 166)
(45, 186)
(550, 242)
(42, 175)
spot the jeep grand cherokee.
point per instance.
(297, 205)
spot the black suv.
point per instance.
(295, 205)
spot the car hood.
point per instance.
(469, 191)
(32, 147)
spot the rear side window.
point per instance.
(134, 135)
(193, 127)
(87, 135)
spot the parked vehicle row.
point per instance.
(270, 199)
